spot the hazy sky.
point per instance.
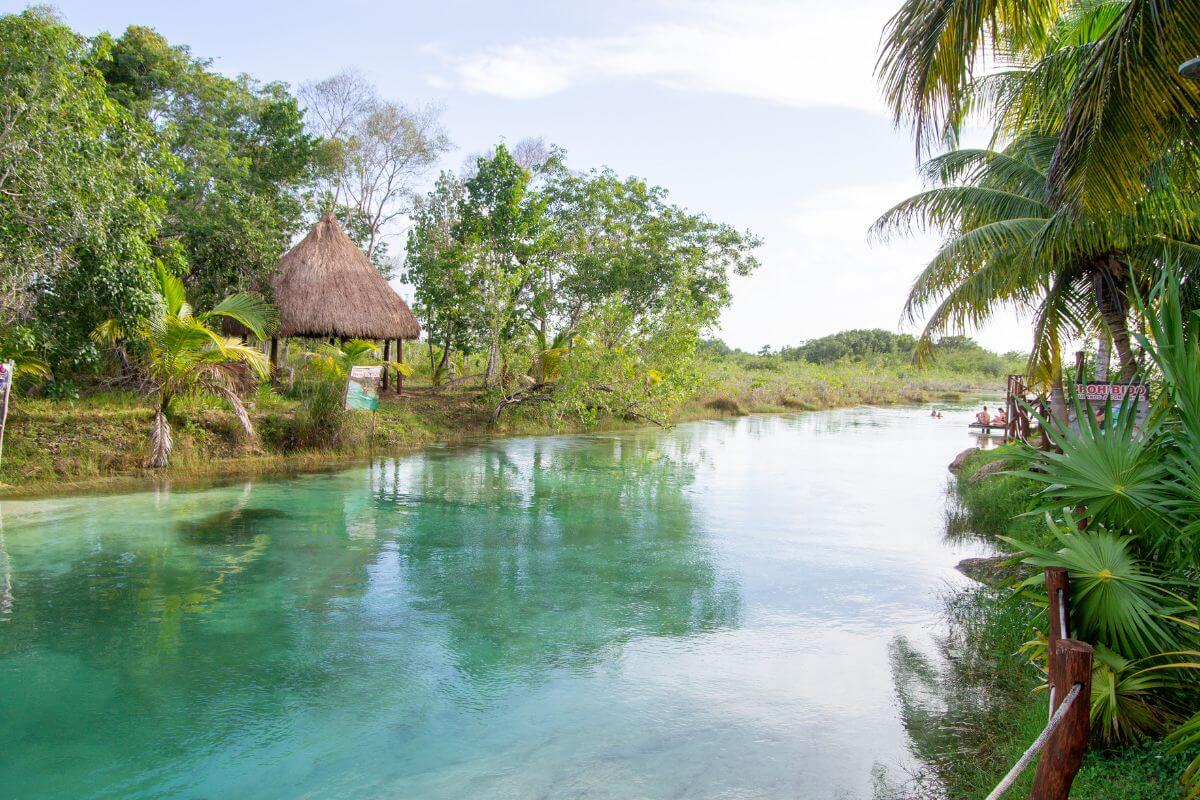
(761, 114)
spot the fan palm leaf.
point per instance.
(1115, 602)
(1126, 700)
(1109, 468)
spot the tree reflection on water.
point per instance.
(548, 553)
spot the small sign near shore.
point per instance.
(362, 389)
(7, 369)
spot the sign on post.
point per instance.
(6, 380)
(1118, 393)
(362, 389)
(1121, 398)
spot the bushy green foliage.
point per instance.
(599, 275)
(242, 159)
(82, 182)
(623, 366)
(123, 152)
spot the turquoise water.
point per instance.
(696, 613)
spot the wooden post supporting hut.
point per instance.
(328, 289)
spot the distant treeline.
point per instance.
(875, 346)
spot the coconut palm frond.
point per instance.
(1064, 312)
(930, 50)
(108, 332)
(252, 313)
(997, 250)
(239, 408)
(1084, 22)
(995, 169)
(171, 293)
(1129, 105)
(944, 209)
(973, 300)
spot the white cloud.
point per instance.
(802, 53)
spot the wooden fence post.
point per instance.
(1072, 664)
(1058, 590)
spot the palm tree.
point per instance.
(1010, 242)
(1124, 106)
(184, 356)
(24, 359)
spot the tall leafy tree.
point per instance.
(81, 179)
(501, 227)
(435, 267)
(598, 282)
(243, 161)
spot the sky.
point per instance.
(759, 113)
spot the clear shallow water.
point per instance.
(696, 613)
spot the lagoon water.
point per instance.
(703, 612)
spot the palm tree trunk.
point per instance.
(1110, 281)
(1058, 402)
(1103, 358)
(160, 439)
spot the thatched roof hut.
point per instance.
(328, 288)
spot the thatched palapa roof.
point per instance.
(328, 287)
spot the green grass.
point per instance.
(767, 383)
(995, 506)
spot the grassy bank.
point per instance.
(55, 445)
(974, 708)
(756, 384)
